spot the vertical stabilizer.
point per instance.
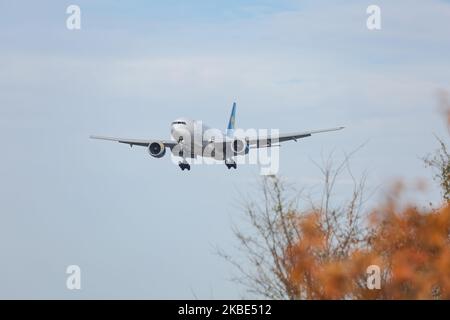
(232, 121)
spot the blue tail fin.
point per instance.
(231, 122)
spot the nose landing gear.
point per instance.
(184, 165)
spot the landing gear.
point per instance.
(184, 165)
(230, 164)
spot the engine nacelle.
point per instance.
(240, 147)
(157, 149)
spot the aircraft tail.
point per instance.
(232, 121)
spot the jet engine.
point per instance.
(240, 147)
(157, 149)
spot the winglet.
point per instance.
(232, 121)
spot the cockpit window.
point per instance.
(179, 122)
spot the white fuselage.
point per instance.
(198, 139)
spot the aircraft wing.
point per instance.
(268, 140)
(136, 142)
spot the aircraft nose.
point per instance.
(174, 132)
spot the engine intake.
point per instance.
(240, 147)
(157, 149)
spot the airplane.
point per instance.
(192, 138)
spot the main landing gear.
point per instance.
(230, 164)
(184, 165)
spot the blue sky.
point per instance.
(140, 228)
